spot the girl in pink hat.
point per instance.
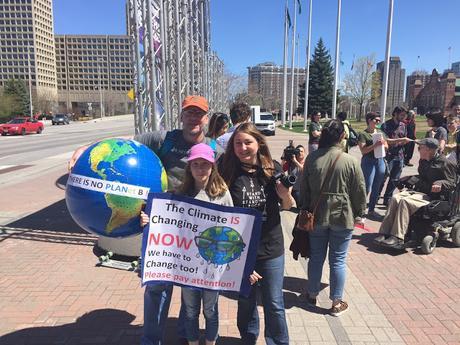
(202, 181)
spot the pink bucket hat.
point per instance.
(201, 151)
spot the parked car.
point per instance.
(59, 119)
(264, 121)
(22, 126)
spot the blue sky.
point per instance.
(247, 32)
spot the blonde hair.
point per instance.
(231, 164)
(215, 187)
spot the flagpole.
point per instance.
(387, 63)
(291, 105)
(337, 45)
(285, 57)
(307, 69)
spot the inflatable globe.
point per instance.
(109, 184)
(220, 245)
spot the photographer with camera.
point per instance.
(435, 181)
(294, 159)
(256, 181)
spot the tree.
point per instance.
(8, 107)
(17, 90)
(360, 84)
(321, 81)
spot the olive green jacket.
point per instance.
(344, 195)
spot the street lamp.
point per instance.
(30, 83)
(100, 86)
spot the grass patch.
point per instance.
(422, 126)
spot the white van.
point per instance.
(264, 121)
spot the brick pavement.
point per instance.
(52, 293)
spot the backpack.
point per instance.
(352, 139)
(170, 141)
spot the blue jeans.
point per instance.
(374, 174)
(395, 166)
(192, 301)
(337, 241)
(157, 299)
(271, 284)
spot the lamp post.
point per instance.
(30, 83)
(100, 87)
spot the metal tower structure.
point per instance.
(172, 58)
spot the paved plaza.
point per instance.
(51, 292)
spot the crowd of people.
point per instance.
(220, 165)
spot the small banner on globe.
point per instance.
(109, 185)
(199, 244)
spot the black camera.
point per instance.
(290, 151)
(286, 180)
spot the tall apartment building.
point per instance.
(266, 79)
(414, 84)
(91, 69)
(27, 45)
(396, 76)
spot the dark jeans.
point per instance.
(395, 166)
(271, 286)
(157, 299)
(408, 151)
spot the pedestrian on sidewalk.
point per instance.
(240, 112)
(453, 136)
(333, 188)
(314, 132)
(435, 121)
(396, 133)
(411, 129)
(203, 182)
(248, 170)
(172, 148)
(218, 125)
(373, 168)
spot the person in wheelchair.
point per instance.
(436, 180)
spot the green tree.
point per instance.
(8, 107)
(17, 90)
(321, 82)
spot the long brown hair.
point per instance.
(231, 164)
(215, 187)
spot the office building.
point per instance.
(456, 68)
(92, 69)
(27, 45)
(396, 77)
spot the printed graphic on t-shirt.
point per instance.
(253, 196)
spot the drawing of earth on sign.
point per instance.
(220, 245)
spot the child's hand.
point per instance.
(144, 219)
(254, 277)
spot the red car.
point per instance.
(22, 125)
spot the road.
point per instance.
(24, 157)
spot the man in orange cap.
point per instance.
(172, 148)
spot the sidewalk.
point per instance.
(52, 293)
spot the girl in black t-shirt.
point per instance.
(248, 170)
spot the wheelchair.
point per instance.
(437, 221)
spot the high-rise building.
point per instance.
(266, 80)
(414, 84)
(94, 69)
(456, 68)
(396, 76)
(27, 45)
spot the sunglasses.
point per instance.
(222, 116)
(376, 120)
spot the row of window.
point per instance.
(90, 88)
(15, 15)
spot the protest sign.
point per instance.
(199, 244)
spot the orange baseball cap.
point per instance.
(195, 101)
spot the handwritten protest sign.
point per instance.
(199, 244)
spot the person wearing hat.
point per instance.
(436, 120)
(172, 148)
(436, 179)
